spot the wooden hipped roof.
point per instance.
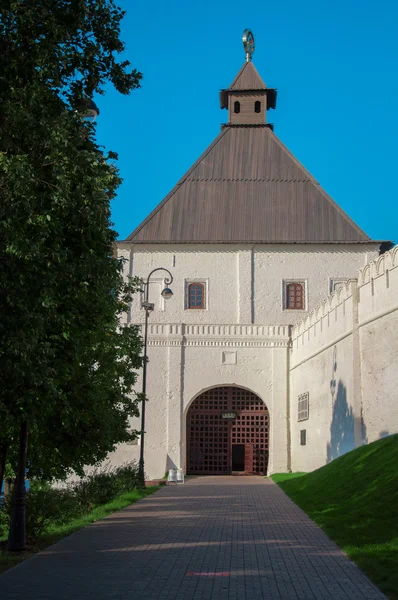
(247, 187)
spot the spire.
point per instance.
(248, 44)
(248, 98)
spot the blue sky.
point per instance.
(334, 64)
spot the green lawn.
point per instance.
(56, 532)
(355, 501)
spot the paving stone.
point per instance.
(230, 538)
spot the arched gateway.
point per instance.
(227, 431)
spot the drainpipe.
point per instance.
(288, 431)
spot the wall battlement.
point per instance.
(344, 359)
(378, 267)
(369, 297)
(378, 287)
(326, 324)
(331, 302)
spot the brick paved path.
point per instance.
(214, 537)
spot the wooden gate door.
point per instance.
(219, 418)
(208, 436)
(251, 428)
(249, 455)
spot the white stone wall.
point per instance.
(244, 284)
(316, 265)
(186, 360)
(345, 354)
(378, 331)
(322, 365)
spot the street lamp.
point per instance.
(148, 307)
(87, 109)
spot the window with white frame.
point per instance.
(196, 295)
(303, 406)
(294, 295)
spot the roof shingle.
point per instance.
(247, 187)
(248, 79)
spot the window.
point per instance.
(303, 437)
(237, 107)
(257, 106)
(294, 296)
(196, 295)
(303, 406)
(336, 284)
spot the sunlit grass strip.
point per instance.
(354, 499)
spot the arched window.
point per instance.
(295, 296)
(196, 295)
(257, 106)
(237, 107)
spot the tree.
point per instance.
(67, 368)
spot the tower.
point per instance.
(254, 244)
(248, 98)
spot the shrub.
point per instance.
(46, 505)
(4, 523)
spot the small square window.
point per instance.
(303, 437)
(303, 406)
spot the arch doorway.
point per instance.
(227, 432)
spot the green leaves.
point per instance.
(61, 290)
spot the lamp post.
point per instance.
(148, 307)
(87, 109)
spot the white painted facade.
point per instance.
(244, 284)
(343, 353)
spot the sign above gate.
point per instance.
(230, 416)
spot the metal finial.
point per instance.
(248, 43)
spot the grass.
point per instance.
(55, 532)
(355, 501)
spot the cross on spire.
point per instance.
(248, 43)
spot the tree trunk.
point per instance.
(3, 456)
(17, 534)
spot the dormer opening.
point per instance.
(237, 107)
(257, 106)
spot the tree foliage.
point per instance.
(65, 364)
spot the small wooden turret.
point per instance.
(248, 98)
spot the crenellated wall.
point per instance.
(345, 355)
(325, 325)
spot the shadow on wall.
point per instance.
(342, 428)
(344, 424)
(342, 434)
(170, 464)
(384, 434)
